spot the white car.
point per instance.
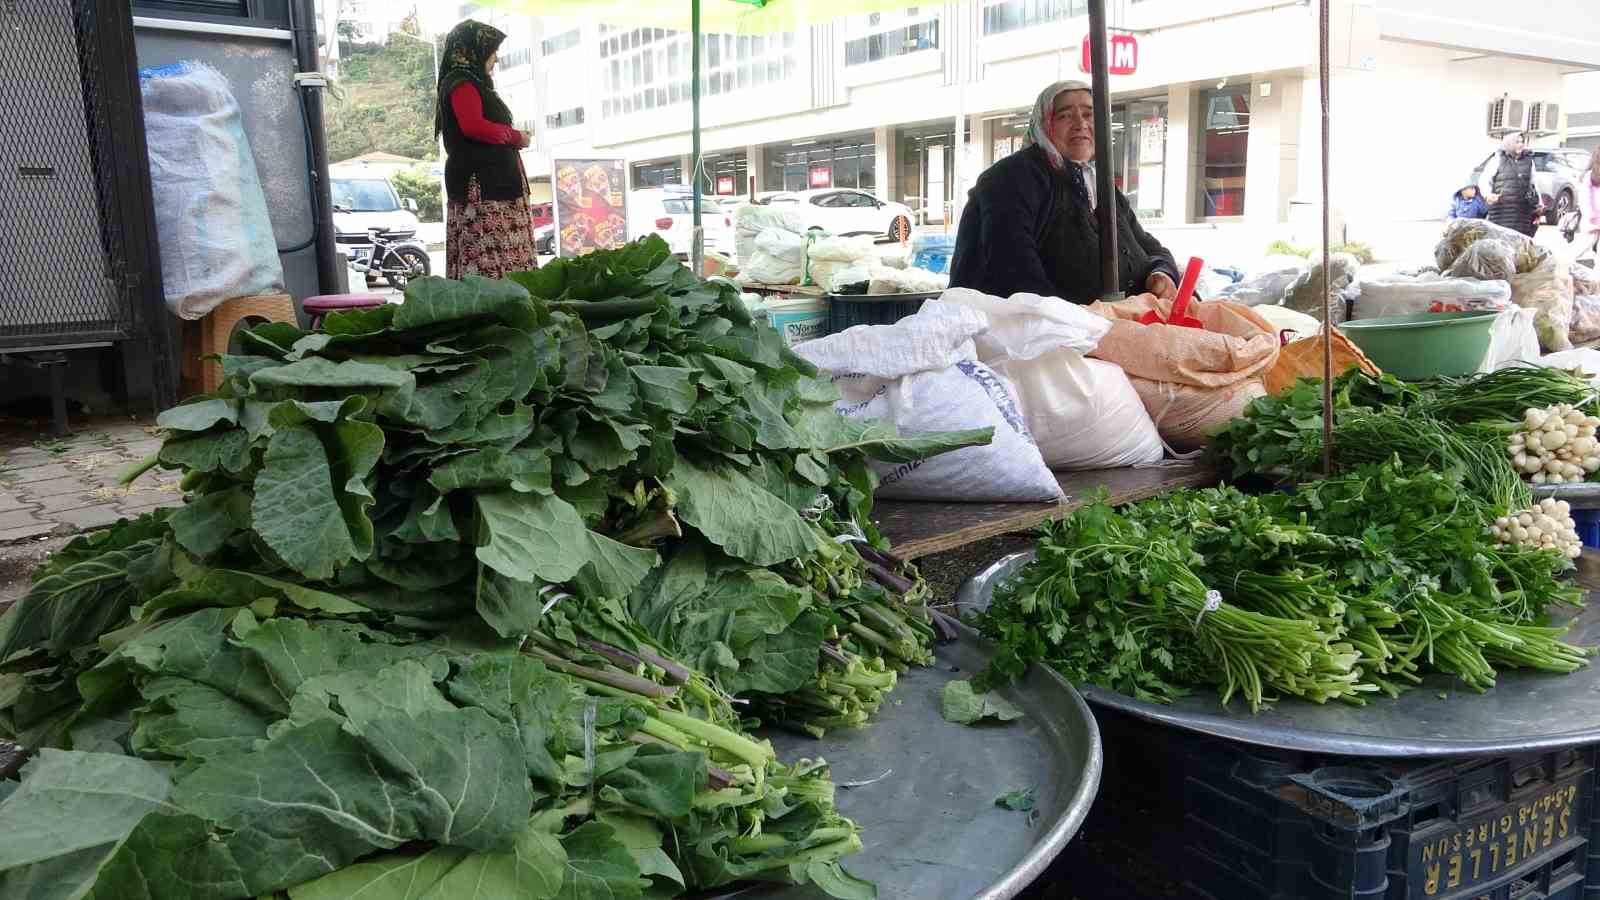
(667, 212)
(844, 211)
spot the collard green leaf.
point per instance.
(170, 856)
(962, 705)
(70, 814)
(200, 415)
(833, 879)
(739, 515)
(534, 538)
(670, 389)
(598, 866)
(509, 606)
(229, 450)
(525, 471)
(660, 780)
(317, 372)
(397, 876)
(295, 511)
(185, 719)
(782, 662)
(1016, 801)
(73, 605)
(431, 300)
(518, 689)
(207, 521)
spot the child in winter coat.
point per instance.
(1467, 204)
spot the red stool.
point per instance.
(322, 304)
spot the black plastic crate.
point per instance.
(1220, 820)
(847, 310)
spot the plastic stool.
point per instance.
(322, 304)
(212, 334)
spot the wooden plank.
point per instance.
(920, 528)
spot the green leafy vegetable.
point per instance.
(962, 705)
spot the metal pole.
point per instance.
(302, 19)
(1327, 294)
(1105, 196)
(697, 244)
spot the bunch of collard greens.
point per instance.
(457, 607)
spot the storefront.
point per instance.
(840, 161)
(1224, 142)
(725, 173)
(655, 173)
(927, 167)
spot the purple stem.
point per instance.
(615, 655)
(676, 672)
(621, 681)
(945, 626)
(888, 579)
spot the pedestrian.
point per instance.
(488, 226)
(1029, 224)
(1507, 183)
(1588, 189)
(1468, 204)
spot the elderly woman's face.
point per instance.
(1072, 125)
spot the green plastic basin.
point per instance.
(1424, 345)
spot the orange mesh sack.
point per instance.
(1303, 359)
(1236, 343)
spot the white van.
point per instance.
(366, 201)
(667, 211)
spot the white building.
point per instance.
(1221, 122)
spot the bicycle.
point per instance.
(397, 262)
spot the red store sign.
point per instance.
(724, 184)
(1123, 50)
(821, 176)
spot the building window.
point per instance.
(1224, 141)
(894, 42)
(564, 119)
(1139, 153)
(848, 161)
(659, 61)
(564, 41)
(269, 13)
(656, 174)
(1010, 15)
(518, 56)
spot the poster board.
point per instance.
(590, 205)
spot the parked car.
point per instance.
(667, 211)
(844, 211)
(544, 239)
(542, 214)
(1555, 172)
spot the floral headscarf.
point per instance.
(1039, 122)
(467, 48)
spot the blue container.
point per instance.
(1588, 521)
(933, 251)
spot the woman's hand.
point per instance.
(523, 139)
(1160, 284)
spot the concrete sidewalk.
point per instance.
(52, 487)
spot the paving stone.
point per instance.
(19, 458)
(53, 487)
(139, 503)
(89, 517)
(18, 518)
(12, 535)
(25, 477)
(10, 500)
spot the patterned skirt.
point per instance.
(488, 237)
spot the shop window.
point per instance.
(893, 43)
(1224, 143)
(1011, 15)
(564, 41)
(564, 119)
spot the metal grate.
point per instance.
(64, 259)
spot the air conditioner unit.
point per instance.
(1507, 115)
(1544, 118)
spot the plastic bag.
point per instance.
(1285, 321)
(749, 221)
(1303, 359)
(1487, 260)
(1583, 360)
(1585, 281)
(1305, 294)
(826, 257)
(851, 280)
(1082, 413)
(1263, 288)
(1548, 291)
(1398, 295)
(1585, 318)
(778, 258)
(211, 216)
(922, 374)
(1512, 340)
(1460, 234)
(906, 281)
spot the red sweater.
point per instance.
(467, 104)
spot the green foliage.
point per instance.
(385, 102)
(457, 606)
(422, 186)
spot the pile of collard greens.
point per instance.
(475, 596)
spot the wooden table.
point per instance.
(921, 528)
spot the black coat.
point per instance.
(1025, 230)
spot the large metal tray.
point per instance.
(931, 827)
(1523, 712)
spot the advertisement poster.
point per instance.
(591, 212)
(725, 185)
(821, 176)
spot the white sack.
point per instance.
(779, 257)
(1083, 413)
(922, 374)
(211, 215)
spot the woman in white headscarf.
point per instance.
(1029, 224)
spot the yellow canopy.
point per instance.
(716, 16)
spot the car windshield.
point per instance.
(364, 195)
(1573, 159)
(680, 206)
